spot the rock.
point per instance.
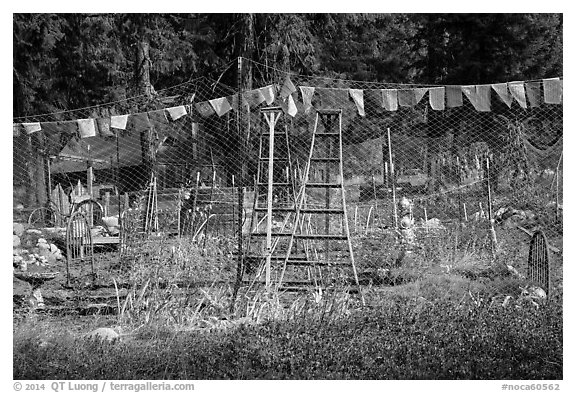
(433, 223)
(110, 221)
(17, 229)
(534, 292)
(514, 272)
(42, 244)
(103, 334)
(34, 231)
(15, 241)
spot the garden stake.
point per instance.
(368, 220)
(194, 201)
(492, 230)
(156, 227)
(393, 181)
(178, 212)
(558, 186)
(233, 208)
(209, 210)
(459, 189)
(375, 198)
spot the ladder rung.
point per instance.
(278, 234)
(271, 109)
(302, 258)
(275, 209)
(293, 262)
(327, 134)
(329, 111)
(323, 211)
(325, 159)
(274, 158)
(324, 185)
(275, 184)
(321, 237)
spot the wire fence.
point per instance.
(182, 162)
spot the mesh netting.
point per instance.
(183, 161)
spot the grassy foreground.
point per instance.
(398, 339)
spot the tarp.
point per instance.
(130, 153)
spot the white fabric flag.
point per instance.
(253, 98)
(119, 121)
(502, 90)
(518, 92)
(390, 99)
(552, 90)
(32, 127)
(292, 110)
(86, 128)
(177, 112)
(220, 105)
(419, 93)
(436, 98)
(479, 96)
(307, 94)
(358, 97)
(269, 93)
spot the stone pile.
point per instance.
(30, 248)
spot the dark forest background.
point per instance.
(68, 61)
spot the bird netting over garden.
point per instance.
(198, 142)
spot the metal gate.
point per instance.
(539, 261)
(79, 245)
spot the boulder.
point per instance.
(433, 223)
(110, 221)
(15, 241)
(103, 334)
(17, 229)
(42, 244)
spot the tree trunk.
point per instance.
(246, 51)
(144, 86)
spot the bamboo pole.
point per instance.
(368, 220)
(233, 208)
(558, 186)
(459, 189)
(209, 210)
(490, 217)
(179, 213)
(156, 224)
(393, 180)
(375, 196)
(194, 202)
